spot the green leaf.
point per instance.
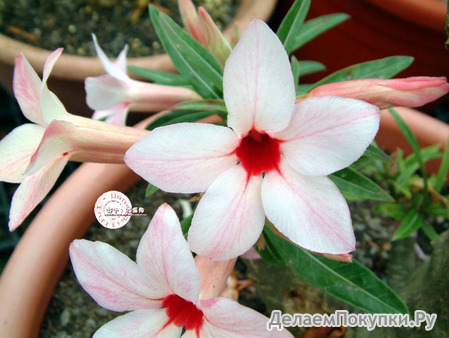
(216, 106)
(302, 89)
(375, 153)
(437, 209)
(381, 68)
(443, 170)
(429, 231)
(413, 143)
(351, 282)
(411, 223)
(394, 210)
(317, 26)
(309, 67)
(357, 187)
(159, 77)
(185, 225)
(269, 253)
(150, 190)
(191, 59)
(178, 117)
(292, 23)
(295, 70)
(411, 163)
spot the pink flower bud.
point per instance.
(408, 92)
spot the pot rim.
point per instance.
(427, 13)
(91, 66)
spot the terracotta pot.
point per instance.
(377, 29)
(428, 131)
(28, 280)
(67, 78)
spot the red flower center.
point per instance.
(258, 153)
(181, 312)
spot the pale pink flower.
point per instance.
(162, 289)
(114, 94)
(35, 154)
(272, 160)
(409, 92)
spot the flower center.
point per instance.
(258, 153)
(181, 312)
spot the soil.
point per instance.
(72, 313)
(69, 24)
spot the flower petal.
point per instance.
(183, 157)
(49, 63)
(104, 92)
(16, 150)
(116, 69)
(165, 258)
(113, 280)
(258, 83)
(32, 191)
(54, 145)
(139, 324)
(229, 218)
(116, 115)
(226, 318)
(310, 211)
(49, 104)
(27, 85)
(327, 134)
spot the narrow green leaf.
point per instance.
(381, 68)
(302, 89)
(394, 210)
(375, 153)
(411, 223)
(443, 170)
(411, 163)
(413, 143)
(191, 59)
(269, 253)
(159, 77)
(185, 225)
(357, 187)
(178, 117)
(150, 190)
(437, 209)
(217, 106)
(402, 186)
(309, 67)
(429, 231)
(351, 282)
(317, 26)
(295, 70)
(292, 23)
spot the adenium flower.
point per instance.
(409, 92)
(114, 94)
(35, 154)
(162, 289)
(271, 161)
